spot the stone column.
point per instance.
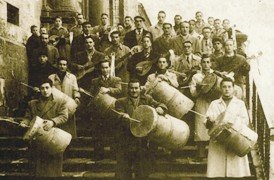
(97, 7)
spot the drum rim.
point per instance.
(33, 127)
(134, 126)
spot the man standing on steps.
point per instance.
(132, 151)
(67, 83)
(103, 125)
(52, 109)
(227, 109)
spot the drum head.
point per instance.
(147, 115)
(35, 124)
(208, 82)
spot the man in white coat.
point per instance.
(222, 162)
(67, 83)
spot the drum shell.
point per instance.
(53, 141)
(167, 131)
(103, 103)
(239, 143)
(70, 103)
(177, 103)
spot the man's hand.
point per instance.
(162, 77)
(209, 124)
(25, 123)
(48, 125)
(104, 90)
(36, 89)
(77, 100)
(160, 111)
(125, 115)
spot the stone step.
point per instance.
(88, 152)
(106, 165)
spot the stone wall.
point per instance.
(13, 59)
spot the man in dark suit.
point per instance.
(103, 125)
(52, 51)
(53, 109)
(83, 64)
(78, 43)
(134, 37)
(33, 42)
(162, 44)
(132, 151)
(147, 55)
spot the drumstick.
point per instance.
(135, 120)
(198, 113)
(184, 87)
(125, 83)
(11, 121)
(85, 92)
(27, 85)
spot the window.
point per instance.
(12, 14)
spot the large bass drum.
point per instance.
(177, 103)
(167, 131)
(70, 103)
(238, 141)
(103, 103)
(53, 141)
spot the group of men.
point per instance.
(102, 59)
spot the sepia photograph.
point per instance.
(137, 89)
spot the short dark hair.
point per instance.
(191, 20)
(205, 56)
(184, 22)
(62, 59)
(210, 17)
(121, 24)
(128, 17)
(217, 20)
(148, 35)
(134, 80)
(206, 27)
(167, 24)
(177, 15)
(32, 27)
(104, 61)
(227, 79)
(104, 14)
(86, 23)
(187, 42)
(115, 32)
(45, 80)
(162, 12)
(89, 37)
(198, 12)
(57, 17)
(217, 39)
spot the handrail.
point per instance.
(260, 115)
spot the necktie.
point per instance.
(187, 58)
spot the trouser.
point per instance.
(42, 164)
(201, 149)
(136, 161)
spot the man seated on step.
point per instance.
(132, 151)
(162, 73)
(102, 124)
(52, 109)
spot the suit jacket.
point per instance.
(236, 64)
(162, 45)
(113, 83)
(39, 72)
(81, 58)
(69, 85)
(78, 44)
(33, 43)
(139, 57)
(177, 44)
(54, 109)
(53, 54)
(130, 38)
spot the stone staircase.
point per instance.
(79, 161)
